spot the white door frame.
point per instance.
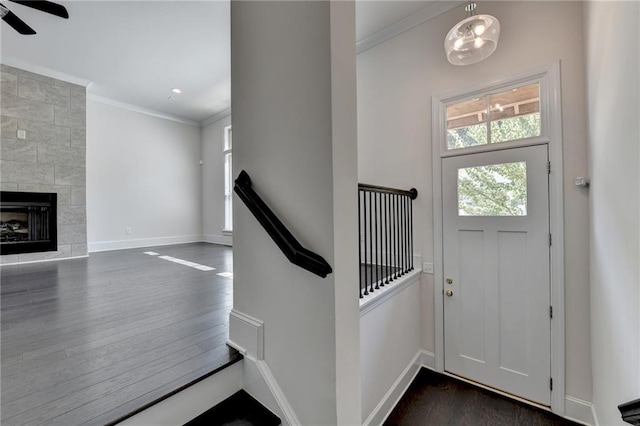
(550, 106)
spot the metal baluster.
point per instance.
(387, 224)
(406, 233)
(382, 228)
(366, 285)
(392, 226)
(402, 236)
(359, 246)
(375, 245)
(411, 229)
(395, 231)
(370, 242)
(400, 249)
(405, 218)
(407, 200)
(399, 262)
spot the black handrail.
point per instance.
(412, 193)
(291, 248)
(630, 411)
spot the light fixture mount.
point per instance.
(473, 39)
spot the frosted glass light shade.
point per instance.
(472, 39)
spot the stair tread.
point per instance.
(240, 409)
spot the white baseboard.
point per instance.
(225, 240)
(579, 411)
(427, 360)
(596, 422)
(96, 246)
(281, 399)
(259, 383)
(44, 260)
(399, 387)
(191, 402)
(576, 410)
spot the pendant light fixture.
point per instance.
(472, 39)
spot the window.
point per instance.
(493, 190)
(494, 118)
(228, 181)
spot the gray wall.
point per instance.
(52, 158)
(294, 132)
(143, 173)
(613, 86)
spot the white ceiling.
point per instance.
(134, 52)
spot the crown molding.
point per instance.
(215, 117)
(434, 9)
(47, 72)
(141, 110)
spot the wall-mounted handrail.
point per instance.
(631, 411)
(291, 248)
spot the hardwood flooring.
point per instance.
(240, 409)
(436, 399)
(86, 341)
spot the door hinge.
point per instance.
(550, 240)
(550, 311)
(548, 167)
(551, 383)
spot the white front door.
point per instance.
(496, 268)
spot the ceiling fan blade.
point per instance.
(16, 23)
(45, 6)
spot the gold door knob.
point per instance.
(449, 293)
(449, 281)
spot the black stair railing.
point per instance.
(631, 412)
(385, 223)
(291, 248)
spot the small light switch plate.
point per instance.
(427, 268)
(22, 134)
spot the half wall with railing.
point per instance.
(385, 219)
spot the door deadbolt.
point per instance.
(449, 293)
(449, 281)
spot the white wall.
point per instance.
(389, 340)
(611, 33)
(143, 173)
(213, 182)
(294, 128)
(396, 80)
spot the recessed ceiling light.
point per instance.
(177, 91)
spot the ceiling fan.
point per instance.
(45, 6)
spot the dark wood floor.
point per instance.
(436, 399)
(85, 341)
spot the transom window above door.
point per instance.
(506, 115)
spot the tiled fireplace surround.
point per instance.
(52, 157)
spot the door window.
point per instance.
(493, 190)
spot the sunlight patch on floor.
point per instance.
(193, 265)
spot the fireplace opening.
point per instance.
(27, 222)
